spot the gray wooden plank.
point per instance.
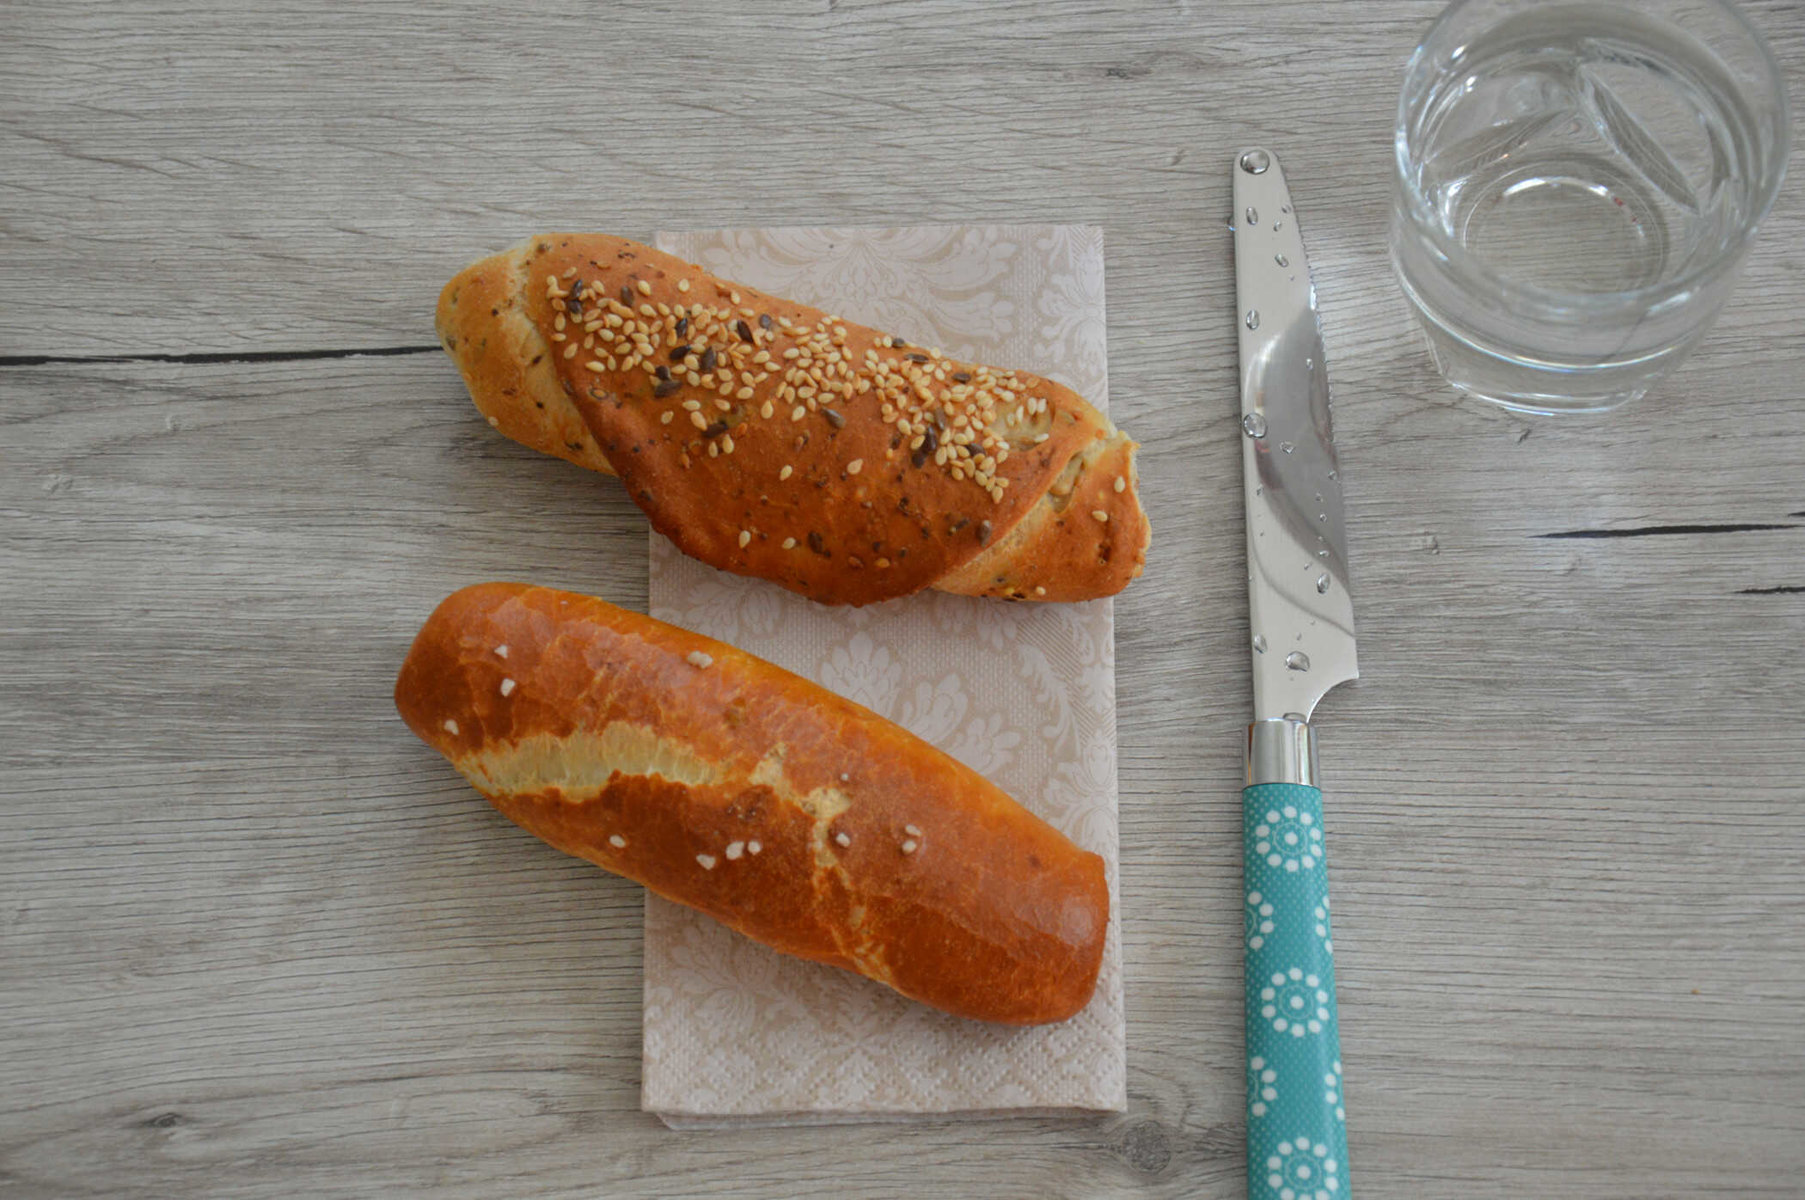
(195, 177)
(255, 941)
(242, 895)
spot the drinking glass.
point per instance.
(1577, 186)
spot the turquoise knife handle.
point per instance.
(1296, 1126)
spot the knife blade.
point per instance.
(1301, 623)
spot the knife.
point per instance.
(1301, 621)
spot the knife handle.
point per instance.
(1296, 1125)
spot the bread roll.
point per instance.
(769, 438)
(734, 787)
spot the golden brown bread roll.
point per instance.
(734, 787)
(768, 438)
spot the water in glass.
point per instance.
(1577, 184)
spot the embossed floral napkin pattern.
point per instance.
(1025, 694)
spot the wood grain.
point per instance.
(256, 941)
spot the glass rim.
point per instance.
(1650, 296)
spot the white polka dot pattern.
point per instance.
(1296, 1122)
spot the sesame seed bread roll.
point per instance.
(734, 787)
(768, 438)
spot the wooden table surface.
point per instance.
(255, 940)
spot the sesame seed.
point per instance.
(734, 850)
(664, 418)
(692, 405)
(645, 289)
(727, 443)
(1121, 484)
(745, 538)
(617, 841)
(789, 543)
(683, 285)
(699, 660)
(912, 830)
(908, 847)
(451, 726)
(495, 422)
(797, 413)
(842, 840)
(765, 410)
(787, 471)
(595, 366)
(744, 393)
(1100, 515)
(507, 687)
(753, 847)
(501, 651)
(855, 466)
(707, 861)
(699, 421)
(570, 351)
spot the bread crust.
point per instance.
(815, 481)
(729, 785)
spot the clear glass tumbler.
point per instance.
(1577, 186)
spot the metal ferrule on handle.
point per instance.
(1282, 750)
